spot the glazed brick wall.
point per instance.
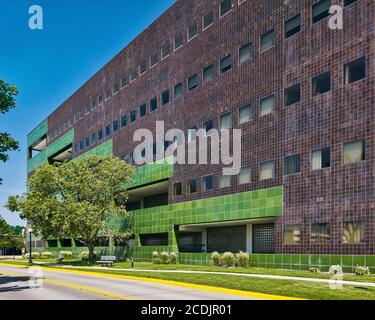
(346, 113)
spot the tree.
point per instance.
(76, 199)
(8, 239)
(8, 92)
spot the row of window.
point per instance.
(353, 233)
(353, 152)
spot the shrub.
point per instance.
(46, 255)
(215, 258)
(242, 259)
(155, 257)
(164, 258)
(34, 255)
(334, 270)
(85, 256)
(362, 271)
(173, 258)
(227, 260)
(66, 254)
(314, 270)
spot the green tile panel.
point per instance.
(37, 133)
(105, 149)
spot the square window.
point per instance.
(178, 91)
(354, 152)
(208, 125)
(165, 97)
(142, 110)
(124, 121)
(115, 125)
(292, 26)
(225, 7)
(192, 82)
(208, 19)
(245, 114)
(133, 116)
(320, 233)
(208, 183)
(107, 130)
(133, 75)
(267, 105)
(244, 53)
(267, 41)
(226, 121)
(292, 95)
(208, 73)
(100, 134)
(354, 232)
(154, 104)
(177, 189)
(321, 159)
(321, 84)
(292, 165)
(154, 60)
(292, 234)
(355, 71)
(226, 64)
(192, 31)
(178, 41)
(93, 138)
(225, 181)
(320, 10)
(192, 186)
(142, 67)
(166, 50)
(267, 170)
(244, 176)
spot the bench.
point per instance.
(107, 260)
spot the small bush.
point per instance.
(173, 258)
(34, 255)
(66, 254)
(362, 271)
(215, 258)
(314, 270)
(227, 260)
(335, 270)
(155, 257)
(241, 259)
(85, 256)
(164, 258)
(46, 255)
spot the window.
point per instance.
(244, 53)
(107, 130)
(76, 148)
(115, 125)
(116, 88)
(225, 181)
(81, 145)
(133, 116)
(178, 90)
(142, 110)
(124, 121)
(192, 82)
(192, 31)
(267, 170)
(354, 152)
(225, 7)
(321, 84)
(143, 67)
(124, 81)
(267, 41)
(178, 41)
(244, 114)
(292, 95)
(354, 232)
(177, 189)
(226, 121)
(292, 165)
(292, 234)
(93, 104)
(100, 99)
(244, 176)
(292, 26)
(192, 134)
(166, 50)
(348, 2)
(320, 10)
(320, 233)
(108, 94)
(192, 186)
(154, 240)
(154, 59)
(87, 142)
(226, 64)
(321, 159)
(93, 138)
(208, 19)
(100, 134)
(208, 125)
(165, 97)
(267, 105)
(208, 183)
(154, 104)
(208, 73)
(355, 71)
(133, 75)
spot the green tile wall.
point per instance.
(37, 133)
(105, 149)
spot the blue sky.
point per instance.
(48, 65)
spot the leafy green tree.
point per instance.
(76, 199)
(8, 239)
(8, 92)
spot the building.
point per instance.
(303, 95)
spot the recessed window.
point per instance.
(244, 176)
(267, 105)
(354, 232)
(225, 7)
(177, 189)
(108, 94)
(321, 84)
(320, 233)
(208, 125)
(208, 19)
(244, 53)
(292, 95)
(124, 121)
(226, 64)
(354, 152)
(321, 159)
(267, 41)
(267, 170)
(93, 104)
(192, 82)
(292, 26)
(142, 110)
(115, 125)
(348, 2)
(226, 121)
(116, 88)
(87, 142)
(178, 41)
(154, 240)
(133, 75)
(208, 73)
(192, 186)
(107, 130)
(142, 67)
(154, 104)
(320, 10)
(154, 60)
(208, 183)
(355, 71)
(100, 134)
(292, 234)
(166, 50)
(165, 97)
(76, 148)
(225, 181)
(292, 165)
(124, 80)
(192, 31)
(100, 99)
(82, 145)
(133, 116)
(244, 114)
(178, 90)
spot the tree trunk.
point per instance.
(91, 248)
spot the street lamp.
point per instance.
(30, 246)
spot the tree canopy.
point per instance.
(8, 238)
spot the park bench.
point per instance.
(107, 260)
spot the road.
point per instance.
(40, 284)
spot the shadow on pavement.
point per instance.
(6, 280)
